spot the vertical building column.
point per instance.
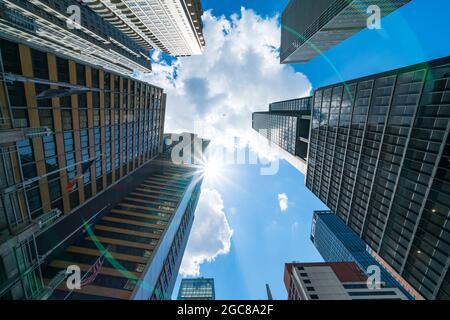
(163, 118)
(139, 126)
(90, 113)
(33, 117)
(5, 116)
(76, 130)
(135, 127)
(128, 124)
(121, 115)
(144, 124)
(112, 126)
(112, 123)
(59, 136)
(102, 127)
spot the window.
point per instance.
(314, 297)
(83, 118)
(40, 64)
(63, 70)
(95, 78)
(372, 293)
(81, 75)
(66, 120)
(307, 281)
(303, 274)
(310, 288)
(10, 55)
(107, 80)
(46, 118)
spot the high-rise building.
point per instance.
(86, 38)
(310, 27)
(197, 289)
(286, 125)
(175, 27)
(73, 127)
(333, 281)
(144, 230)
(336, 242)
(379, 157)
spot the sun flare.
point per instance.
(212, 169)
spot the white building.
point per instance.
(173, 26)
(333, 281)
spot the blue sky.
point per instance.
(264, 237)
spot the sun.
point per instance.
(212, 169)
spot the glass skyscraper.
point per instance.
(286, 125)
(310, 27)
(145, 233)
(197, 289)
(379, 157)
(336, 242)
(77, 135)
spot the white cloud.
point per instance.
(210, 235)
(283, 201)
(214, 94)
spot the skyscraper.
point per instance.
(336, 242)
(144, 230)
(379, 157)
(174, 27)
(197, 289)
(286, 125)
(73, 126)
(87, 38)
(310, 27)
(333, 281)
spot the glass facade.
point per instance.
(146, 233)
(286, 125)
(379, 158)
(81, 130)
(310, 27)
(336, 242)
(109, 46)
(197, 289)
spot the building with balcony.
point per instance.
(59, 115)
(174, 27)
(49, 25)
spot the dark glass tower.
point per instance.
(379, 157)
(336, 242)
(310, 27)
(286, 125)
(197, 289)
(145, 232)
(66, 99)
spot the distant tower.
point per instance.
(286, 126)
(310, 27)
(197, 289)
(269, 293)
